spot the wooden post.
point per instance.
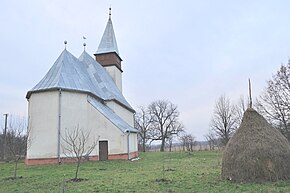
(250, 93)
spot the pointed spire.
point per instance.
(108, 42)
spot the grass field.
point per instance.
(154, 172)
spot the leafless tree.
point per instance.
(187, 141)
(274, 102)
(165, 123)
(224, 122)
(76, 146)
(240, 107)
(211, 140)
(17, 140)
(143, 121)
(169, 142)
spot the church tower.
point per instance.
(108, 54)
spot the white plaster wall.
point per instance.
(116, 74)
(122, 112)
(75, 112)
(104, 129)
(43, 124)
(73, 116)
(133, 142)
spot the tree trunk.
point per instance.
(15, 169)
(191, 146)
(162, 145)
(143, 146)
(77, 169)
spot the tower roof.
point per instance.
(84, 75)
(108, 42)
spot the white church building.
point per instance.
(86, 93)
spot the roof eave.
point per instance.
(62, 89)
(80, 91)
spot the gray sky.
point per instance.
(189, 52)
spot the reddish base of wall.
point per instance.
(71, 160)
(123, 156)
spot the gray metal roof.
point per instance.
(102, 79)
(108, 42)
(84, 75)
(113, 117)
(67, 73)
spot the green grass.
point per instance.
(195, 172)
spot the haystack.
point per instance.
(257, 152)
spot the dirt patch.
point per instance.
(13, 178)
(77, 180)
(170, 170)
(163, 181)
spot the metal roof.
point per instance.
(113, 117)
(102, 79)
(67, 73)
(108, 42)
(84, 75)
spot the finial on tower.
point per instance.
(250, 93)
(65, 43)
(84, 44)
(110, 12)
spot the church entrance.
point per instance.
(103, 150)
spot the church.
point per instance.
(84, 93)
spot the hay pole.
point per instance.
(250, 93)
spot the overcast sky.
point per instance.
(188, 52)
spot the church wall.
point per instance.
(133, 142)
(43, 124)
(73, 115)
(75, 112)
(122, 112)
(116, 75)
(104, 129)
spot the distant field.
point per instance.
(155, 172)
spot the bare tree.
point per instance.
(188, 141)
(143, 121)
(17, 140)
(223, 122)
(76, 146)
(240, 108)
(165, 123)
(274, 102)
(211, 140)
(169, 142)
